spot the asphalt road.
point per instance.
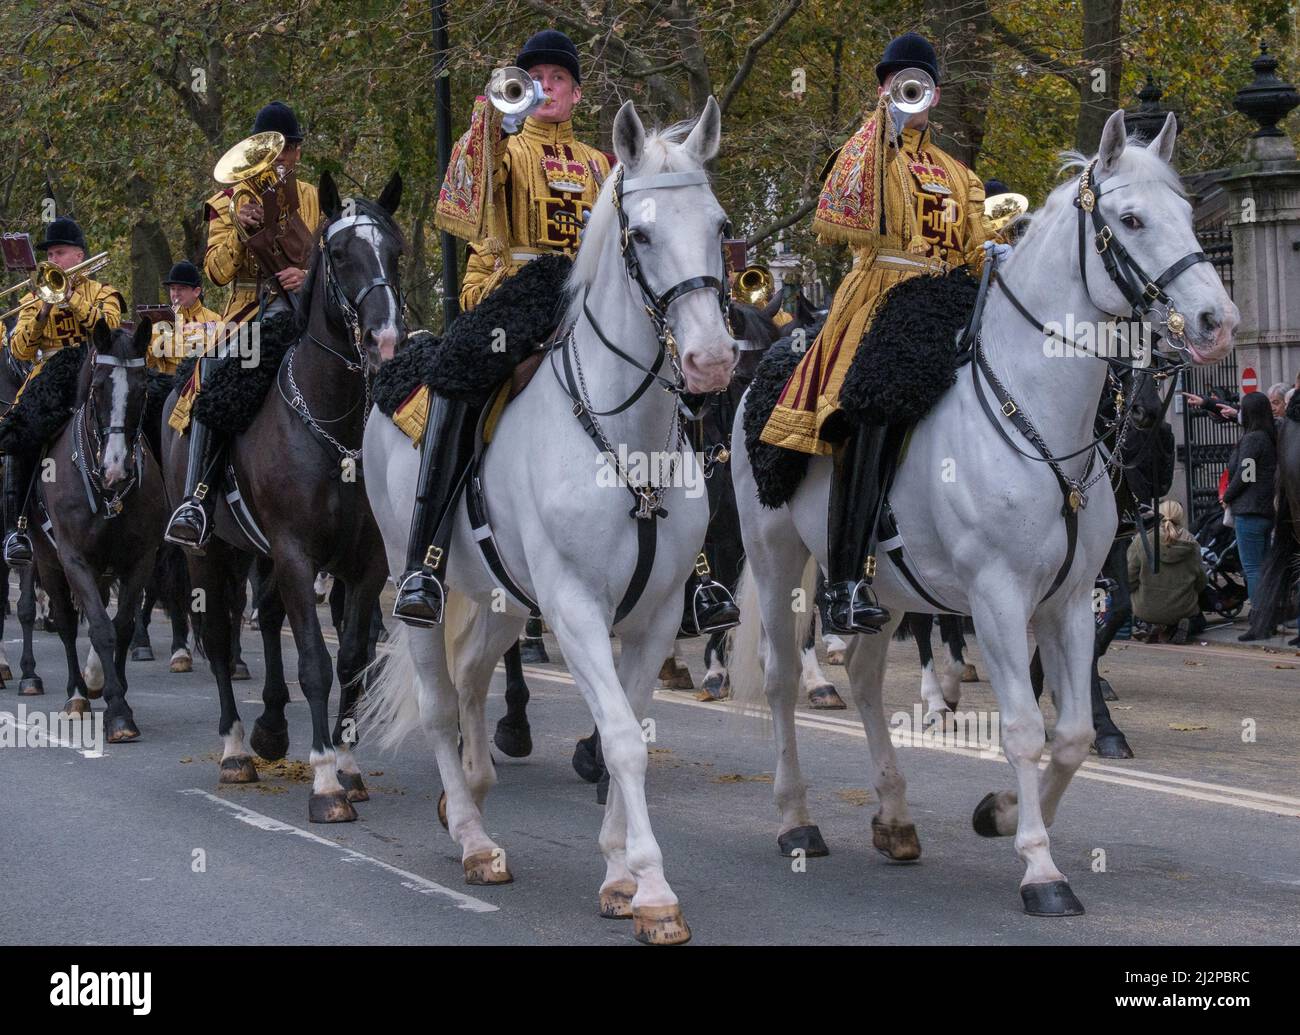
(1199, 835)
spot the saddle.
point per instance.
(487, 355)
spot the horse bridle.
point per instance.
(655, 305)
(339, 299)
(102, 432)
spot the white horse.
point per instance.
(983, 525)
(563, 528)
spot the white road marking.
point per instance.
(409, 880)
(11, 720)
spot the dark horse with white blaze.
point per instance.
(298, 470)
(105, 518)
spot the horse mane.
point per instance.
(663, 153)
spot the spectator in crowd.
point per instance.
(1277, 398)
(1168, 599)
(1252, 468)
(1222, 408)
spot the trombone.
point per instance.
(53, 285)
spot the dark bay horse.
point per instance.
(298, 469)
(12, 374)
(106, 517)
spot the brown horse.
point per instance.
(297, 467)
(103, 494)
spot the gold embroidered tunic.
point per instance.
(69, 323)
(947, 228)
(165, 352)
(545, 181)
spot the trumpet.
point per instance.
(52, 285)
(911, 90)
(253, 166)
(512, 91)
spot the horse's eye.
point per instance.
(640, 236)
(1131, 221)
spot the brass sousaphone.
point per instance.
(1001, 210)
(253, 167)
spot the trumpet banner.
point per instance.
(465, 199)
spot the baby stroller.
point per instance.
(1225, 582)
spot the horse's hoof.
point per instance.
(237, 769)
(6, 672)
(969, 675)
(353, 786)
(1107, 691)
(239, 672)
(825, 698)
(122, 730)
(835, 657)
(616, 899)
(1114, 745)
(272, 745)
(442, 810)
(181, 663)
(895, 841)
(94, 692)
(488, 868)
(717, 686)
(76, 706)
(675, 677)
(660, 925)
(333, 807)
(808, 838)
(584, 762)
(602, 788)
(533, 652)
(30, 686)
(515, 741)
(985, 820)
(1051, 899)
(142, 653)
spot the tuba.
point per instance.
(754, 285)
(53, 285)
(1003, 209)
(512, 91)
(253, 167)
(911, 91)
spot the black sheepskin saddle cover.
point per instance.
(232, 392)
(483, 346)
(46, 405)
(906, 361)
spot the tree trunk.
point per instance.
(960, 32)
(1103, 63)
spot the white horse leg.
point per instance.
(932, 693)
(580, 627)
(1067, 662)
(485, 640)
(892, 831)
(1006, 650)
(483, 860)
(93, 674)
(812, 680)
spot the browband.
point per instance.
(360, 219)
(113, 361)
(678, 179)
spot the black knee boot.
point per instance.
(709, 606)
(17, 543)
(446, 449)
(191, 523)
(854, 510)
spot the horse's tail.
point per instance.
(389, 711)
(745, 651)
(1278, 577)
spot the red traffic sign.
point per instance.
(1249, 381)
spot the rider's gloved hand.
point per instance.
(898, 117)
(999, 253)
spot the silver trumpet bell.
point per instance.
(911, 91)
(512, 91)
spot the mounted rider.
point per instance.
(262, 251)
(43, 329)
(906, 208)
(184, 286)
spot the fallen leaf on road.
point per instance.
(854, 795)
(1193, 664)
(742, 778)
(186, 761)
(1184, 727)
(1284, 666)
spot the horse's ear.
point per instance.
(329, 196)
(143, 335)
(101, 337)
(707, 134)
(1163, 144)
(392, 196)
(1112, 143)
(629, 136)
